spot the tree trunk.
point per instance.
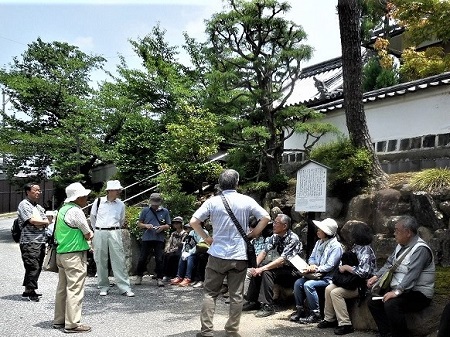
(349, 23)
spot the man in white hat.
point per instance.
(107, 218)
(72, 233)
(324, 259)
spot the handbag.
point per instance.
(50, 259)
(346, 279)
(201, 247)
(49, 263)
(251, 253)
(383, 284)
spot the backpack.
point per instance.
(16, 230)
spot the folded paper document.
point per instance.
(299, 263)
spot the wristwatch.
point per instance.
(397, 292)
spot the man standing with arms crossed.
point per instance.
(108, 218)
(228, 254)
(33, 222)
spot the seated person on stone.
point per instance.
(172, 252)
(260, 290)
(188, 259)
(324, 259)
(412, 285)
(336, 313)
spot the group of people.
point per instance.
(411, 288)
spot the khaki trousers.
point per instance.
(216, 271)
(335, 306)
(70, 290)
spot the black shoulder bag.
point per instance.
(251, 254)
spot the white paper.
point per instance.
(377, 298)
(299, 263)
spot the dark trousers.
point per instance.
(261, 287)
(444, 326)
(200, 266)
(170, 262)
(390, 316)
(148, 248)
(32, 256)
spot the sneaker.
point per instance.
(128, 294)
(344, 329)
(297, 314)
(80, 328)
(249, 306)
(266, 310)
(103, 293)
(176, 280)
(313, 317)
(138, 280)
(327, 324)
(31, 293)
(199, 284)
(160, 283)
(185, 282)
(31, 298)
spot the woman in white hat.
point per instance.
(324, 260)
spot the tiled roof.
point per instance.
(384, 93)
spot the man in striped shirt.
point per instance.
(33, 222)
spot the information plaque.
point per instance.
(311, 188)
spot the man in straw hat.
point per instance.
(107, 218)
(72, 233)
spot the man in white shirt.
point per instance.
(227, 254)
(107, 219)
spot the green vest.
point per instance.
(69, 239)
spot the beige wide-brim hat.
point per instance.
(113, 185)
(74, 191)
(328, 226)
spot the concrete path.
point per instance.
(154, 312)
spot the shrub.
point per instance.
(431, 180)
(131, 218)
(278, 183)
(350, 167)
(259, 188)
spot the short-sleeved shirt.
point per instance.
(228, 243)
(108, 213)
(147, 217)
(286, 246)
(25, 211)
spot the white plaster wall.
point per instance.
(410, 115)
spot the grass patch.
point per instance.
(430, 180)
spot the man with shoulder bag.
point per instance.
(228, 251)
(412, 286)
(155, 220)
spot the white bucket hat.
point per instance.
(113, 185)
(74, 191)
(328, 226)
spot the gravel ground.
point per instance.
(168, 311)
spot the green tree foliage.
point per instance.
(54, 125)
(351, 167)
(255, 56)
(417, 65)
(424, 20)
(377, 77)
